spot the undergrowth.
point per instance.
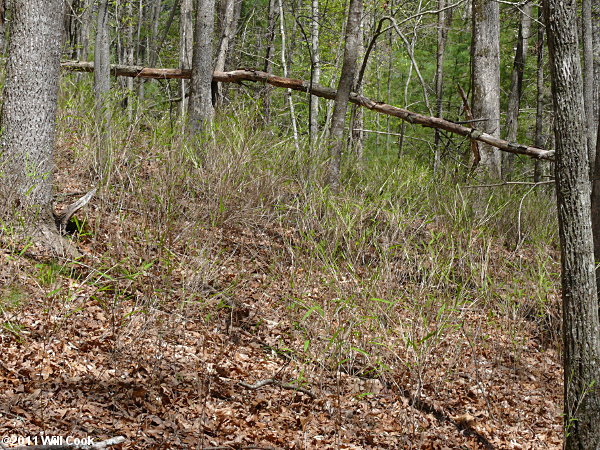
(380, 279)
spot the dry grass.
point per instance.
(394, 291)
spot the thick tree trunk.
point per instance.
(336, 136)
(516, 87)
(589, 99)
(201, 107)
(186, 42)
(596, 42)
(581, 327)
(485, 75)
(102, 89)
(29, 115)
(2, 27)
(356, 115)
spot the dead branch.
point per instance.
(270, 381)
(236, 76)
(63, 218)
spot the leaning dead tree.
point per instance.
(236, 76)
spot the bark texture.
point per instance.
(186, 43)
(444, 20)
(581, 328)
(538, 171)
(516, 86)
(228, 28)
(268, 65)
(589, 98)
(101, 91)
(29, 115)
(340, 107)
(485, 73)
(201, 108)
(315, 73)
(101, 61)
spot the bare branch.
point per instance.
(236, 76)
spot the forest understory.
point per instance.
(224, 301)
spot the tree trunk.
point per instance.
(581, 327)
(3, 27)
(516, 87)
(201, 107)
(538, 171)
(589, 99)
(444, 21)
(102, 89)
(186, 43)
(153, 38)
(336, 136)
(596, 42)
(356, 115)
(268, 66)
(315, 74)
(129, 55)
(29, 115)
(228, 26)
(285, 72)
(485, 76)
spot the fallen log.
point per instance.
(236, 76)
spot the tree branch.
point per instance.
(236, 76)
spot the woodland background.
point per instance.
(231, 292)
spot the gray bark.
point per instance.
(200, 108)
(129, 55)
(29, 115)
(102, 89)
(444, 20)
(315, 73)
(268, 66)
(581, 327)
(596, 41)
(228, 28)
(589, 98)
(284, 65)
(485, 75)
(186, 42)
(516, 86)
(227, 33)
(356, 116)
(336, 136)
(153, 38)
(2, 27)
(538, 172)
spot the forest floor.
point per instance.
(225, 336)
